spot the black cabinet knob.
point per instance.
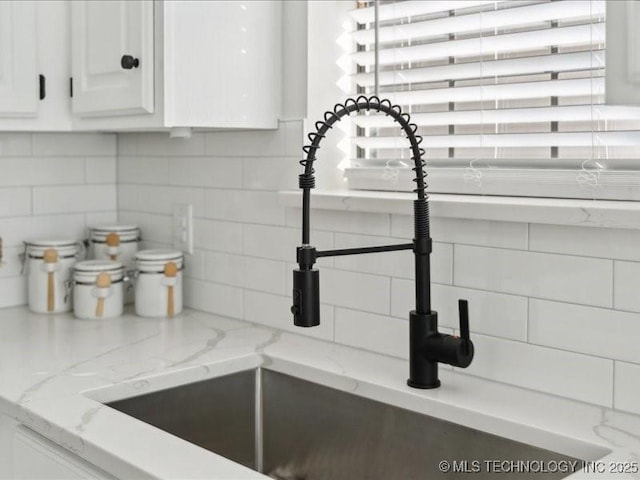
(128, 62)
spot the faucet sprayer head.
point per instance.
(306, 298)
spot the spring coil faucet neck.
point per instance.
(427, 346)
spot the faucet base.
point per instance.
(423, 386)
(423, 370)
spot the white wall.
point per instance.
(51, 186)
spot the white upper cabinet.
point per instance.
(34, 66)
(112, 57)
(127, 65)
(217, 64)
(19, 84)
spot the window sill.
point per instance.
(553, 211)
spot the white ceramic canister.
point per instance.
(125, 237)
(158, 285)
(98, 289)
(48, 265)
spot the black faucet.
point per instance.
(427, 346)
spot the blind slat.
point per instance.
(507, 17)
(573, 139)
(579, 35)
(507, 91)
(516, 66)
(575, 113)
(414, 8)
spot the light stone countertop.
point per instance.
(55, 371)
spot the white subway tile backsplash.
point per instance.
(213, 297)
(490, 313)
(627, 387)
(146, 170)
(595, 331)
(626, 286)
(11, 265)
(294, 137)
(42, 171)
(269, 173)
(395, 264)
(403, 297)
(588, 241)
(360, 291)
(128, 144)
(101, 218)
(273, 310)
(100, 169)
(16, 171)
(59, 171)
(161, 145)
(15, 144)
(76, 144)
(44, 194)
(153, 227)
(15, 231)
(379, 333)
(346, 222)
(217, 235)
(205, 172)
(161, 199)
(128, 197)
(244, 206)
(15, 202)
(280, 243)
(248, 272)
(74, 198)
(556, 277)
(194, 264)
(466, 231)
(573, 375)
(262, 143)
(13, 291)
(514, 275)
(224, 268)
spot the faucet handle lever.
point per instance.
(463, 311)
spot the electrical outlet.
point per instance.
(183, 227)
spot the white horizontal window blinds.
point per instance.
(508, 95)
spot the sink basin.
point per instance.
(289, 428)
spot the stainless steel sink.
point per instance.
(289, 428)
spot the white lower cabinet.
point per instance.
(7, 428)
(36, 458)
(26, 455)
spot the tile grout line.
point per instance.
(526, 335)
(613, 284)
(613, 385)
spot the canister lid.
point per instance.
(65, 248)
(108, 227)
(97, 266)
(158, 255)
(48, 243)
(127, 233)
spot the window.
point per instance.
(508, 95)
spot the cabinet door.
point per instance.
(19, 85)
(102, 33)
